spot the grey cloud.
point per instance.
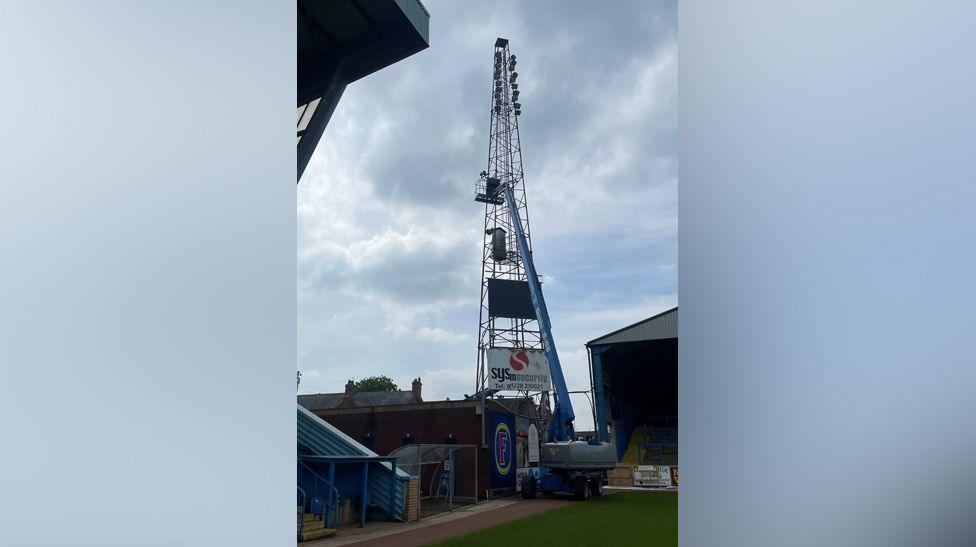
(389, 238)
(407, 268)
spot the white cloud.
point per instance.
(440, 384)
(389, 237)
(441, 336)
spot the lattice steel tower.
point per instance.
(500, 259)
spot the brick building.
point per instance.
(386, 421)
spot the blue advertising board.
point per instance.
(501, 428)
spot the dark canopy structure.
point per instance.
(339, 42)
(634, 374)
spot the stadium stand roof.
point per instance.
(662, 326)
(341, 41)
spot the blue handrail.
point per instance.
(323, 490)
(301, 513)
(665, 438)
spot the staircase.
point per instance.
(660, 446)
(646, 446)
(311, 526)
(317, 512)
(623, 473)
(322, 438)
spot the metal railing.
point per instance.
(301, 511)
(661, 442)
(321, 490)
(446, 475)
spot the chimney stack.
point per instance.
(350, 388)
(415, 388)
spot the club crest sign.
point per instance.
(515, 369)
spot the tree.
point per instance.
(376, 383)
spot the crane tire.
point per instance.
(528, 488)
(581, 488)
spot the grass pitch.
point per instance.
(622, 518)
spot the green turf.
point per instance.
(623, 518)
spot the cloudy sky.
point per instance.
(389, 237)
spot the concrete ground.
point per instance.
(441, 527)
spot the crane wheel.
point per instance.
(581, 488)
(528, 488)
(596, 487)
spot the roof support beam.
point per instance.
(599, 400)
(320, 119)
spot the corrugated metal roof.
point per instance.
(662, 326)
(320, 401)
(360, 37)
(324, 439)
(328, 401)
(341, 41)
(418, 15)
(379, 398)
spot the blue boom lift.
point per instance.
(568, 465)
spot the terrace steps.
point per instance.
(314, 527)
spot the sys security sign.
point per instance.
(518, 370)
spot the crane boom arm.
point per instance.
(561, 428)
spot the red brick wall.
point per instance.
(426, 426)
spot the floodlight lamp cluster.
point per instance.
(501, 63)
